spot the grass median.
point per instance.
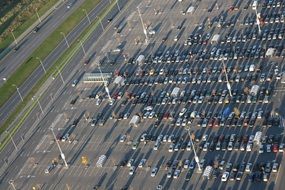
(60, 63)
(26, 24)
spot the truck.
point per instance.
(101, 161)
(254, 90)
(175, 92)
(208, 172)
(135, 121)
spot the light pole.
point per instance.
(61, 153)
(195, 155)
(82, 47)
(18, 91)
(16, 42)
(227, 79)
(41, 64)
(65, 39)
(12, 139)
(144, 29)
(105, 85)
(118, 5)
(39, 18)
(258, 21)
(37, 99)
(11, 182)
(101, 23)
(84, 10)
(60, 75)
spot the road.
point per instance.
(10, 105)
(14, 59)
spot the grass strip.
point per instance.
(24, 26)
(52, 71)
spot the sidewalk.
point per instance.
(29, 30)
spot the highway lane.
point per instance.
(42, 127)
(10, 105)
(13, 60)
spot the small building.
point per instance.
(96, 77)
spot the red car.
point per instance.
(275, 148)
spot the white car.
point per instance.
(248, 167)
(176, 173)
(225, 176)
(154, 172)
(123, 138)
(132, 170)
(142, 163)
(182, 112)
(130, 162)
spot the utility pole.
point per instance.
(83, 49)
(60, 75)
(37, 99)
(18, 92)
(60, 150)
(84, 10)
(65, 39)
(105, 85)
(15, 40)
(195, 155)
(227, 79)
(101, 23)
(258, 21)
(39, 18)
(144, 29)
(119, 8)
(12, 139)
(41, 64)
(11, 182)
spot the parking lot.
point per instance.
(206, 82)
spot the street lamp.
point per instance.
(60, 150)
(101, 23)
(7, 132)
(227, 78)
(118, 5)
(60, 74)
(38, 16)
(18, 91)
(83, 49)
(105, 85)
(195, 155)
(144, 29)
(65, 39)
(41, 64)
(34, 98)
(16, 42)
(11, 182)
(84, 10)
